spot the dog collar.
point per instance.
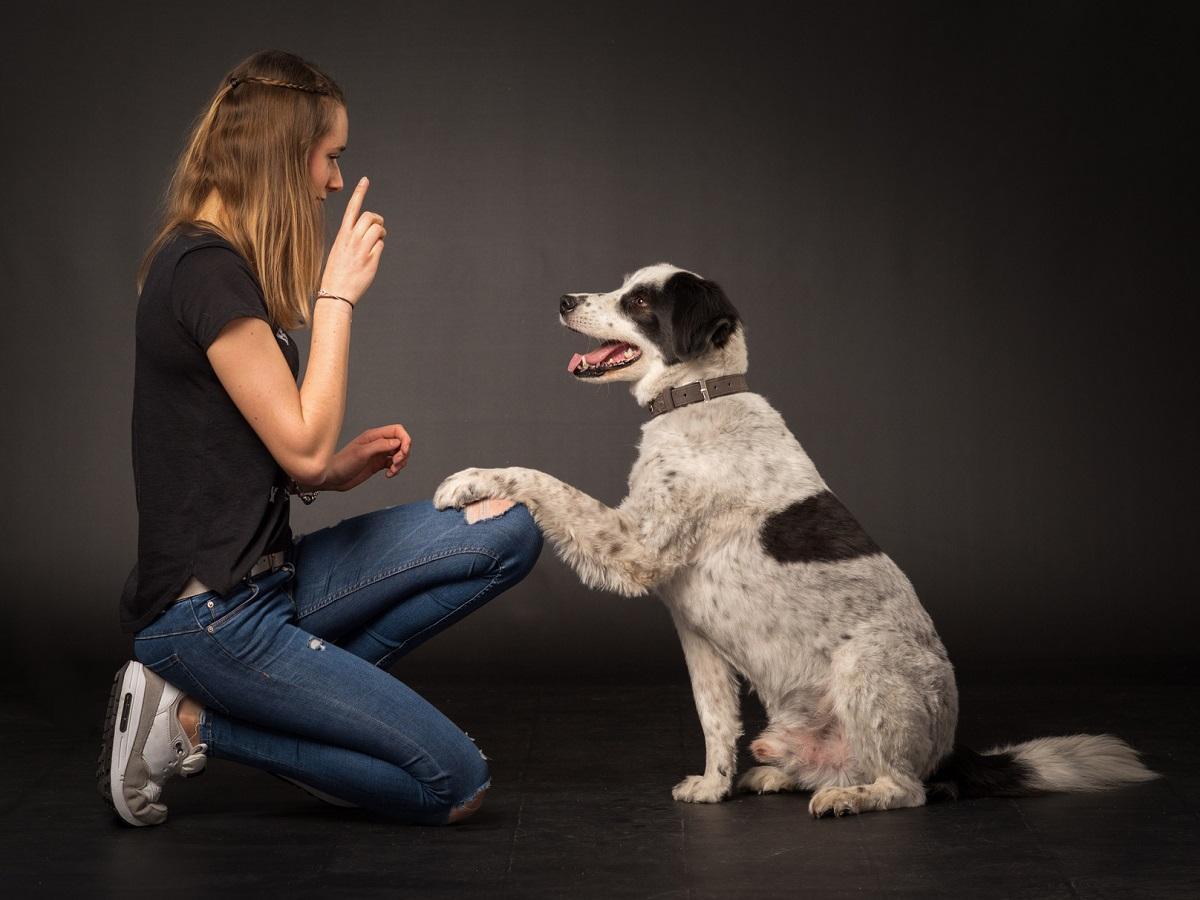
(697, 391)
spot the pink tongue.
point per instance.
(597, 356)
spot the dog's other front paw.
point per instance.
(462, 488)
(698, 789)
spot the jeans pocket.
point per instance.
(175, 670)
(221, 616)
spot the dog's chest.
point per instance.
(735, 453)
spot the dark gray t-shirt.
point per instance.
(211, 499)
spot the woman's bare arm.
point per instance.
(300, 425)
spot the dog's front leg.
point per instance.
(715, 689)
(600, 543)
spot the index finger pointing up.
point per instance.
(354, 207)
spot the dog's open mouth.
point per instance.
(608, 356)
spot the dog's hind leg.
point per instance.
(715, 690)
(885, 792)
(897, 705)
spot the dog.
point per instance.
(768, 577)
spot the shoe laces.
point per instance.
(194, 762)
(185, 762)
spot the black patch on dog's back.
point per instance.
(817, 529)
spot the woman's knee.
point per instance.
(467, 808)
(521, 542)
(468, 781)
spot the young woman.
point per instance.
(253, 644)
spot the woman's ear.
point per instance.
(701, 314)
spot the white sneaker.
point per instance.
(144, 745)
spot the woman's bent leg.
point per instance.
(357, 778)
(382, 583)
(279, 698)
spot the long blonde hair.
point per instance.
(252, 145)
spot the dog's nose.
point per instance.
(567, 302)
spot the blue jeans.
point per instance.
(289, 665)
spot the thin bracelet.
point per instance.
(321, 294)
(306, 496)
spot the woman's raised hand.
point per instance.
(354, 256)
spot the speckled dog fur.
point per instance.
(765, 574)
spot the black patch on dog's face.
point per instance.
(818, 529)
(683, 318)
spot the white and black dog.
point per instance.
(769, 577)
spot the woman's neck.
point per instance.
(212, 209)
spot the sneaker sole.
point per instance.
(125, 707)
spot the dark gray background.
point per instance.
(957, 237)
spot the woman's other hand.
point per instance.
(385, 447)
(354, 256)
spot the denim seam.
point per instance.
(206, 697)
(483, 590)
(205, 727)
(213, 636)
(165, 634)
(222, 620)
(411, 564)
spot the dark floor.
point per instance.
(581, 806)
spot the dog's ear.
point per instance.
(701, 314)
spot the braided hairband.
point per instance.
(235, 80)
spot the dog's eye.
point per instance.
(639, 300)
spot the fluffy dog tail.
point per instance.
(1077, 762)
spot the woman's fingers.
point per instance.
(375, 233)
(394, 431)
(354, 257)
(365, 221)
(391, 443)
(354, 207)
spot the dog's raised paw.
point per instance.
(765, 780)
(698, 789)
(838, 801)
(461, 488)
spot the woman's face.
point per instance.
(323, 160)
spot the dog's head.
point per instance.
(663, 325)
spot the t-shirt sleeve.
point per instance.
(212, 287)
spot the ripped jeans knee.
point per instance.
(469, 806)
(487, 508)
